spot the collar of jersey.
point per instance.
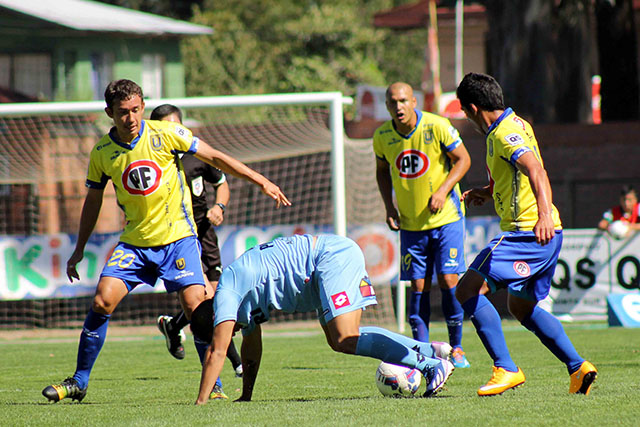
(113, 134)
(495, 124)
(419, 114)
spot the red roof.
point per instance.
(416, 15)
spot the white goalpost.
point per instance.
(333, 100)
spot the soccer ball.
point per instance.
(397, 381)
(618, 229)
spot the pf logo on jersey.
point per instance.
(412, 164)
(142, 177)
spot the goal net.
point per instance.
(44, 151)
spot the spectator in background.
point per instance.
(627, 211)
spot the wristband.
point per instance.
(222, 206)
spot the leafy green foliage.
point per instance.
(264, 46)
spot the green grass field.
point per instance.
(302, 382)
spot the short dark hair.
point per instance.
(162, 111)
(121, 90)
(626, 189)
(481, 90)
(202, 321)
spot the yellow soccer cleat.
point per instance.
(217, 393)
(583, 378)
(501, 381)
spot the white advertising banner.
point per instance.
(591, 266)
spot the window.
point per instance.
(5, 71)
(152, 75)
(27, 73)
(101, 72)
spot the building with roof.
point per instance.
(69, 50)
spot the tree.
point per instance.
(541, 52)
(264, 46)
(618, 60)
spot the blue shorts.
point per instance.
(343, 285)
(177, 264)
(441, 248)
(514, 260)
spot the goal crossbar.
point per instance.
(334, 100)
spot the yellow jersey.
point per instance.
(149, 181)
(419, 165)
(508, 139)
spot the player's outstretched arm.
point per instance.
(251, 355)
(529, 165)
(214, 359)
(88, 219)
(228, 164)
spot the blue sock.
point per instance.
(201, 348)
(419, 323)
(380, 344)
(453, 313)
(489, 328)
(94, 332)
(550, 331)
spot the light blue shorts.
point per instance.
(343, 284)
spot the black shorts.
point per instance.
(211, 262)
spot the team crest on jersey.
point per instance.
(340, 300)
(453, 252)
(412, 164)
(180, 264)
(366, 289)
(156, 142)
(521, 268)
(197, 186)
(514, 139)
(142, 177)
(427, 133)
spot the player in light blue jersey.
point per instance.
(300, 274)
(523, 257)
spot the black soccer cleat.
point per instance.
(67, 388)
(173, 337)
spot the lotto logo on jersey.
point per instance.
(412, 164)
(340, 300)
(521, 268)
(142, 177)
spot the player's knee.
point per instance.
(102, 306)
(346, 345)
(448, 281)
